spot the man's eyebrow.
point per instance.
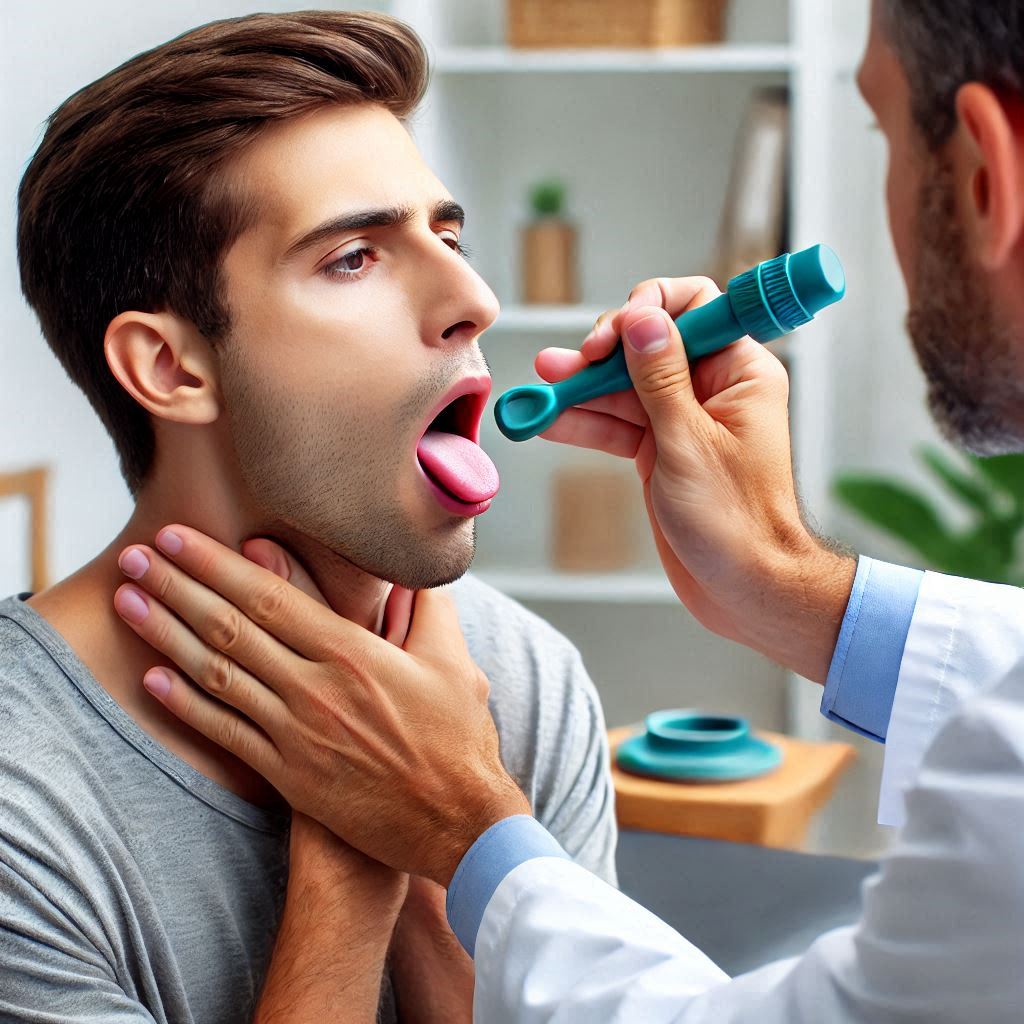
(382, 217)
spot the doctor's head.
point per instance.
(237, 252)
(945, 80)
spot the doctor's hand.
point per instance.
(391, 748)
(712, 450)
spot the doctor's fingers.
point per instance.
(584, 428)
(280, 609)
(216, 721)
(211, 669)
(675, 295)
(206, 624)
(555, 364)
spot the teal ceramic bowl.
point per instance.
(686, 745)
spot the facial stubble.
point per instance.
(317, 468)
(972, 365)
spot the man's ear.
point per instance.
(165, 364)
(989, 160)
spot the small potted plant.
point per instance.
(549, 248)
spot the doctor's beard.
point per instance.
(974, 370)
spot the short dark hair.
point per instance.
(123, 205)
(943, 44)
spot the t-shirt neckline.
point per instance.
(178, 769)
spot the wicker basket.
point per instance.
(614, 23)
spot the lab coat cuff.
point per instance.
(501, 849)
(865, 669)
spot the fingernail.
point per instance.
(131, 604)
(158, 682)
(169, 542)
(649, 334)
(133, 563)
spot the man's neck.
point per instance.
(81, 609)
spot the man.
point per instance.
(932, 665)
(236, 251)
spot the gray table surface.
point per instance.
(742, 905)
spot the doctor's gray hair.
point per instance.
(943, 44)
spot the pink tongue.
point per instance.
(459, 466)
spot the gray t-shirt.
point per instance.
(133, 888)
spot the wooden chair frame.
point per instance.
(33, 484)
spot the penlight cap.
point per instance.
(779, 295)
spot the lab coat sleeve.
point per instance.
(940, 938)
(912, 647)
(964, 639)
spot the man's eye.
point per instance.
(353, 260)
(351, 264)
(455, 244)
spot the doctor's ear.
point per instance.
(165, 364)
(988, 160)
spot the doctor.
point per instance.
(931, 665)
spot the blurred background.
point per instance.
(593, 145)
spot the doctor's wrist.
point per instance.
(803, 589)
(478, 810)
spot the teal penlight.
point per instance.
(765, 302)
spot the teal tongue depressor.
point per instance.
(765, 302)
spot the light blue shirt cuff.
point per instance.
(504, 846)
(865, 667)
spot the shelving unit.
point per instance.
(614, 588)
(644, 140)
(537, 319)
(724, 57)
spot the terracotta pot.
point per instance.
(549, 262)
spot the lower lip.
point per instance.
(450, 504)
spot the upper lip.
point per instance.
(476, 387)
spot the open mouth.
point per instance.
(457, 470)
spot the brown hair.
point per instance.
(122, 206)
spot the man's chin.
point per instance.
(436, 565)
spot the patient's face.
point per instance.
(974, 374)
(343, 350)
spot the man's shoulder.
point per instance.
(499, 630)
(542, 698)
(549, 718)
(41, 712)
(27, 683)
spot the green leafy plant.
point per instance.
(547, 198)
(992, 490)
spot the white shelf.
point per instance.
(547, 318)
(721, 57)
(650, 587)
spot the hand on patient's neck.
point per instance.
(219, 513)
(81, 608)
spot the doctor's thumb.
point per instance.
(659, 368)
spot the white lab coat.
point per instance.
(941, 938)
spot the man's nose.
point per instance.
(464, 305)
